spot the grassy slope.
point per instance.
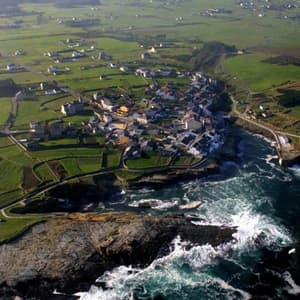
(12, 164)
(260, 76)
(12, 227)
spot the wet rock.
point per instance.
(69, 254)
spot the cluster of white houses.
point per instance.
(167, 120)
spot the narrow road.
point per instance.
(52, 186)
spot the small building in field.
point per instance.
(146, 55)
(124, 69)
(53, 92)
(37, 129)
(52, 69)
(152, 50)
(76, 54)
(11, 67)
(55, 128)
(72, 108)
(20, 96)
(103, 56)
(19, 53)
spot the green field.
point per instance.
(260, 76)
(12, 164)
(13, 227)
(152, 159)
(5, 104)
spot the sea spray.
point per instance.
(247, 200)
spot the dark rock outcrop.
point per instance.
(69, 253)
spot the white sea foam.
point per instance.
(293, 288)
(295, 169)
(122, 281)
(225, 286)
(268, 140)
(155, 203)
(269, 160)
(235, 202)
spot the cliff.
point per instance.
(69, 253)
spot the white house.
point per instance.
(106, 104)
(52, 69)
(192, 124)
(142, 119)
(76, 54)
(52, 92)
(11, 67)
(71, 108)
(97, 96)
(19, 96)
(124, 69)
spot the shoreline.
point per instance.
(82, 246)
(288, 158)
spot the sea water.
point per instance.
(252, 194)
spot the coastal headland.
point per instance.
(68, 254)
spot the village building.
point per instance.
(140, 118)
(53, 92)
(52, 69)
(152, 50)
(106, 118)
(178, 125)
(113, 66)
(165, 94)
(20, 96)
(97, 96)
(72, 108)
(107, 105)
(124, 140)
(19, 53)
(118, 125)
(37, 129)
(124, 69)
(55, 128)
(103, 56)
(147, 146)
(51, 54)
(43, 86)
(146, 55)
(123, 110)
(76, 54)
(11, 67)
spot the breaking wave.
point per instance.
(245, 201)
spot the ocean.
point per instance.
(252, 194)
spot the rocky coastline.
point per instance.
(287, 158)
(68, 254)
